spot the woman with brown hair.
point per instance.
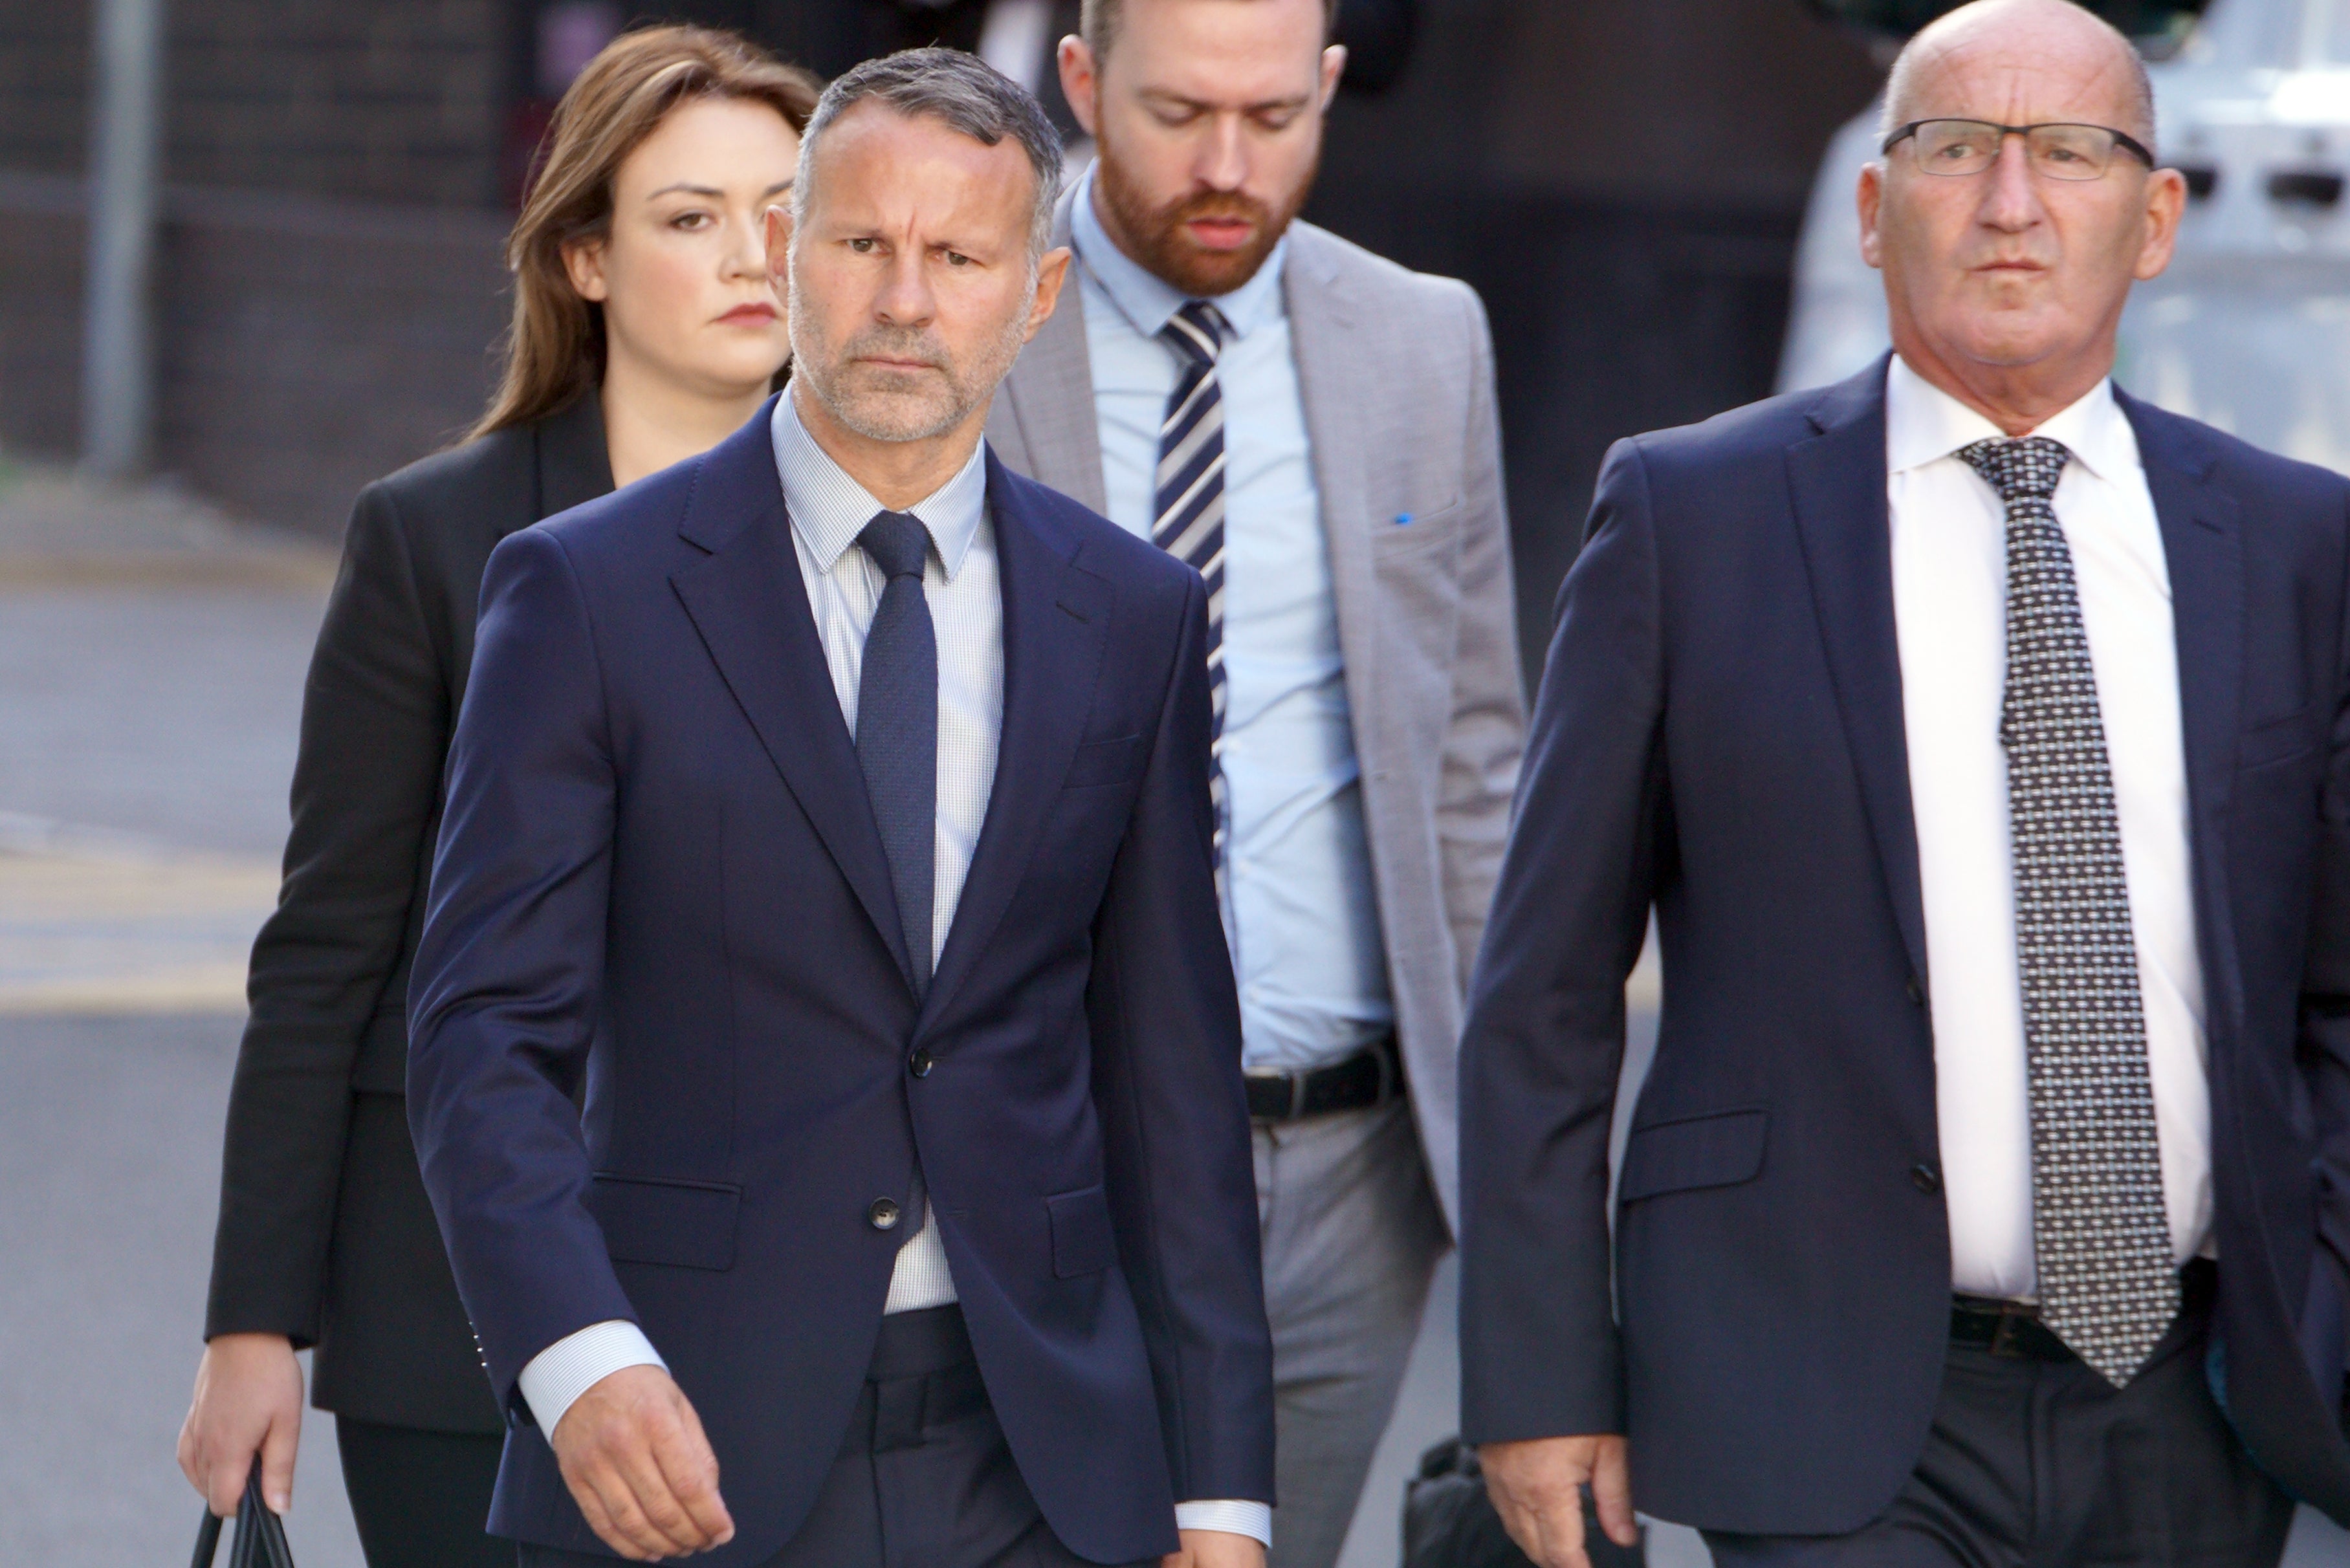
(644, 329)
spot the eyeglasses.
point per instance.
(1971, 146)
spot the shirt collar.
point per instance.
(1147, 300)
(828, 509)
(1924, 423)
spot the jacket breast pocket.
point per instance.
(1104, 762)
(1082, 1241)
(1430, 533)
(1721, 1150)
(651, 1219)
(2274, 741)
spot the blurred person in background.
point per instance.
(1314, 428)
(1979, 735)
(644, 329)
(835, 806)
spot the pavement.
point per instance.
(152, 657)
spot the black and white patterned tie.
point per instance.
(1188, 511)
(2108, 1285)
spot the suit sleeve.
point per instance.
(508, 978)
(2326, 1019)
(1485, 739)
(374, 722)
(1166, 1052)
(1545, 1033)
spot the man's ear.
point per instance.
(1871, 197)
(779, 244)
(1081, 82)
(1052, 272)
(1334, 66)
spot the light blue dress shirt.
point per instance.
(1300, 911)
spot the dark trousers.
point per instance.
(421, 1499)
(924, 1478)
(2043, 1464)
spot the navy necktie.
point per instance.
(897, 726)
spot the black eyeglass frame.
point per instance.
(2121, 137)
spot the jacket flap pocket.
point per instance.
(647, 1220)
(1082, 1243)
(1717, 1150)
(1104, 762)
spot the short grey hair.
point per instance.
(964, 92)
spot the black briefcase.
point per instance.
(260, 1539)
(1448, 1522)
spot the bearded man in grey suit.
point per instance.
(1314, 428)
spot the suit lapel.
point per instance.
(1837, 482)
(750, 604)
(1055, 620)
(2203, 550)
(1051, 392)
(573, 466)
(1322, 319)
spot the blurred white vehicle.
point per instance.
(2250, 327)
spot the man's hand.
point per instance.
(633, 1453)
(1215, 1549)
(1537, 1485)
(248, 1400)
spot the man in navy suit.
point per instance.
(1980, 737)
(830, 814)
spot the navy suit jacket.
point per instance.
(1720, 735)
(660, 882)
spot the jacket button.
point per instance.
(1916, 992)
(1926, 1178)
(883, 1214)
(920, 1063)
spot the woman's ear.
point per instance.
(583, 260)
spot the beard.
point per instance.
(1160, 241)
(888, 403)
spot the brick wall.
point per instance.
(397, 100)
(304, 345)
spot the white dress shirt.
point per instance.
(1949, 602)
(828, 510)
(1301, 912)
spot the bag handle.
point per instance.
(260, 1538)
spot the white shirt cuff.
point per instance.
(1253, 1519)
(578, 1361)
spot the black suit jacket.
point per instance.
(1720, 732)
(325, 1234)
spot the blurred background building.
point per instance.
(1622, 180)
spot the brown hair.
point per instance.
(1097, 25)
(554, 349)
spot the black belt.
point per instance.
(2014, 1328)
(1372, 1076)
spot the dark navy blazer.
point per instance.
(1720, 733)
(660, 879)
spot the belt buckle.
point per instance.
(2004, 1338)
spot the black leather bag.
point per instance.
(1448, 1522)
(259, 1541)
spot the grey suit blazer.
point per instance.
(1397, 370)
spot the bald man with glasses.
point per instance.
(1980, 736)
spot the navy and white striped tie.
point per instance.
(1188, 511)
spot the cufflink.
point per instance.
(1403, 519)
